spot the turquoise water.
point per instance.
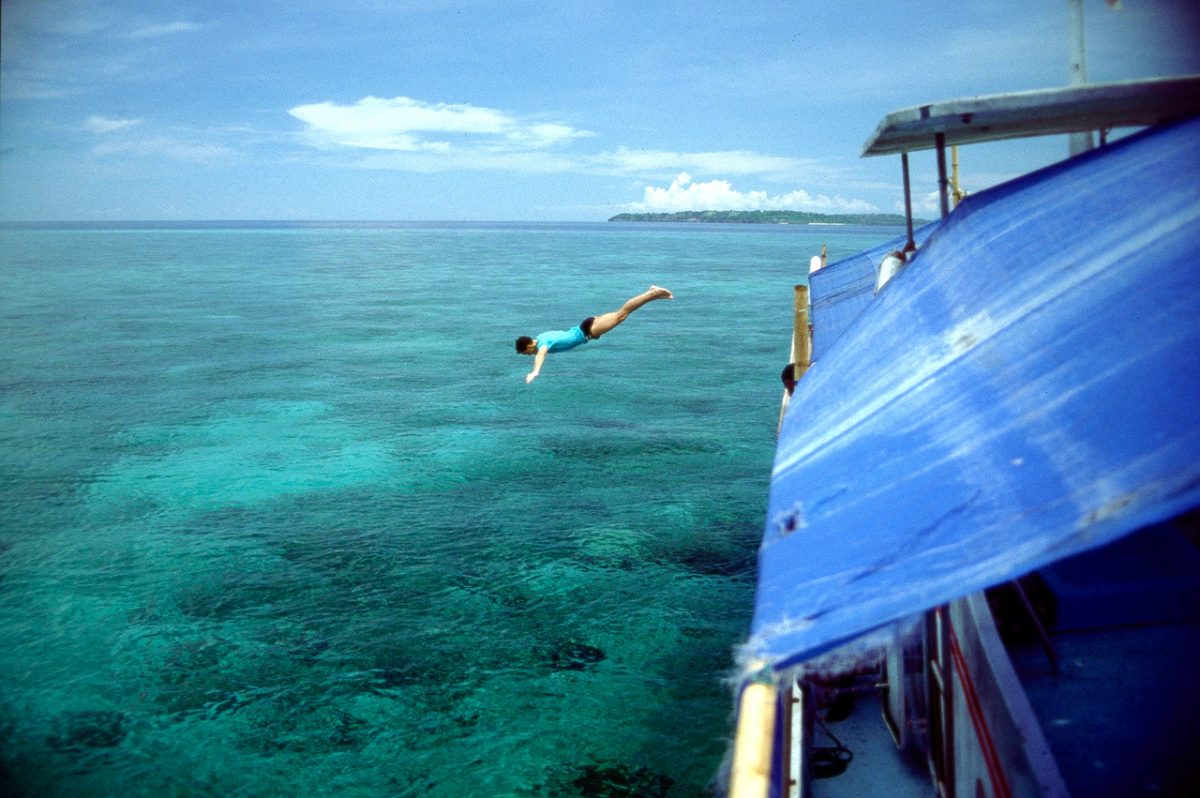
(281, 517)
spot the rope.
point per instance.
(829, 761)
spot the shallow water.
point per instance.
(280, 516)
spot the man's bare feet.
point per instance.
(660, 292)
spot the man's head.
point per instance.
(526, 345)
(788, 376)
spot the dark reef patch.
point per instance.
(571, 655)
(75, 732)
(302, 728)
(606, 781)
(733, 564)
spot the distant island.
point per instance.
(767, 217)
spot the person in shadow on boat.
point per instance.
(788, 376)
(589, 329)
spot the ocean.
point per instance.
(280, 516)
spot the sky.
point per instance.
(520, 110)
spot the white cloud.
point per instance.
(406, 134)
(545, 135)
(409, 125)
(106, 124)
(719, 195)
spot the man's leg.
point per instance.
(606, 321)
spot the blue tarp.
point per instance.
(1026, 389)
(842, 290)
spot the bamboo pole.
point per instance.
(751, 774)
(955, 189)
(802, 333)
(801, 348)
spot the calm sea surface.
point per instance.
(280, 516)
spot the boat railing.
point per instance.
(983, 733)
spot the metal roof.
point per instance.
(1095, 106)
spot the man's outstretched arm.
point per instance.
(538, 359)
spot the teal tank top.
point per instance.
(561, 340)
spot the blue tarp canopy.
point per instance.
(842, 290)
(1027, 388)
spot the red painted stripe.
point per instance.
(987, 745)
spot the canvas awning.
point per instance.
(1027, 388)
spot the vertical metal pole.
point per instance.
(1043, 635)
(1077, 67)
(943, 181)
(907, 201)
(935, 686)
(947, 666)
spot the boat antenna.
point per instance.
(1077, 69)
(1077, 64)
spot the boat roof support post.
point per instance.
(910, 245)
(943, 181)
(801, 351)
(801, 331)
(750, 776)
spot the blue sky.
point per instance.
(518, 109)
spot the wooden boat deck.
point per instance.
(878, 768)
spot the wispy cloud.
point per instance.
(406, 134)
(122, 137)
(468, 160)
(106, 124)
(163, 146)
(160, 30)
(423, 136)
(409, 125)
(719, 195)
(731, 162)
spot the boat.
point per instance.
(980, 568)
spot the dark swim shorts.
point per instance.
(586, 326)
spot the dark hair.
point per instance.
(789, 373)
(523, 343)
